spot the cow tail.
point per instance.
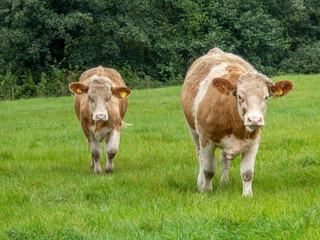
(126, 124)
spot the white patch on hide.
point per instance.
(215, 72)
(100, 135)
(233, 146)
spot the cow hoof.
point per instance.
(98, 170)
(205, 189)
(247, 193)
(224, 181)
(108, 169)
(200, 181)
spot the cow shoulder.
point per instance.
(197, 73)
(216, 114)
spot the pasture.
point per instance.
(49, 191)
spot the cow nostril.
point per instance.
(101, 116)
(250, 119)
(255, 119)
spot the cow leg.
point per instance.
(225, 162)
(247, 167)
(111, 145)
(95, 150)
(208, 167)
(195, 138)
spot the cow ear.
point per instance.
(120, 92)
(78, 88)
(281, 88)
(224, 86)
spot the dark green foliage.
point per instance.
(305, 59)
(7, 82)
(152, 43)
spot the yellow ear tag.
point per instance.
(123, 94)
(79, 90)
(279, 93)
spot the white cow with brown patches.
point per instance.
(100, 103)
(224, 100)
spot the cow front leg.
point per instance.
(225, 162)
(208, 167)
(247, 167)
(95, 150)
(111, 145)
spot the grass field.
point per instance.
(48, 190)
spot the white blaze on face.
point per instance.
(252, 97)
(99, 95)
(255, 112)
(99, 111)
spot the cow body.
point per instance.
(100, 104)
(224, 100)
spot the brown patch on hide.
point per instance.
(218, 117)
(223, 85)
(244, 111)
(234, 72)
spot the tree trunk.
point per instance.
(12, 93)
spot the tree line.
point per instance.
(46, 44)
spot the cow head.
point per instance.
(252, 92)
(99, 93)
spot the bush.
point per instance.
(7, 82)
(305, 60)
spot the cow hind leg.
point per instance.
(111, 145)
(95, 150)
(208, 167)
(195, 138)
(225, 162)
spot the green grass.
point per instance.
(48, 190)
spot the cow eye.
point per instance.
(239, 97)
(266, 98)
(90, 98)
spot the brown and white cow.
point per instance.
(100, 103)
(224, 100)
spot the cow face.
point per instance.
(252, 97)
(252, 92)
(99, 93)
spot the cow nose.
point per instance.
(101, 116)
(256, 121)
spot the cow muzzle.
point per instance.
(100, 117)
(254, 121)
